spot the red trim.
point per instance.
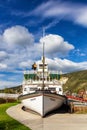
(76, 98)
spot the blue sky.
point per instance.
(21, 23)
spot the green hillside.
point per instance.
(16, 89)
(76, 81)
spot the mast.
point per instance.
(43, 59)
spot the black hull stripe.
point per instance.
(40, 94)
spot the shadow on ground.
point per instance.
(63, 109)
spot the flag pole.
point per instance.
(43, 58)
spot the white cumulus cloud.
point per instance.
(16, 45)
(3, 54)
(3, 66)
(65, 65)
(55, 44)
(17, 36)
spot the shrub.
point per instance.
(5, 100)
(2, 100)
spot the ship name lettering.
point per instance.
(52, 99)
(33, 99)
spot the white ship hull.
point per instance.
(43, 103)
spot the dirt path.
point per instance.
(51, 122)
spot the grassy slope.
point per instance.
(76, 81)
(6, 122)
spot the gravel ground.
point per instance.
(52, 122)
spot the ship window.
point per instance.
(25, 89)
(52, 89)
(33, 89)
(41, 66)
(60, 89)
